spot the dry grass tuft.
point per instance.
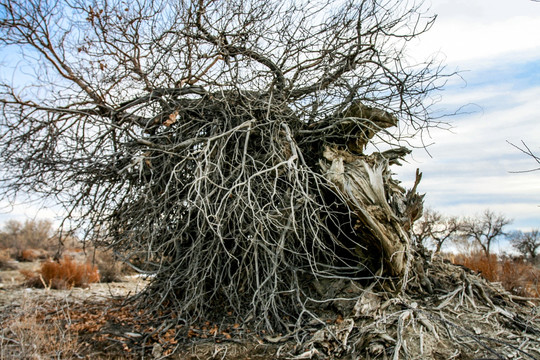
(515, 275)
(64, 274)
(55, 328)
(519, 277)
(25, 334)
(477, 261)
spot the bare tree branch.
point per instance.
(527, 151)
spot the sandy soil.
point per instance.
(13, 292)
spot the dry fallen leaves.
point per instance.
(171, 119)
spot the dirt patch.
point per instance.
(95, 322)
(14, 293)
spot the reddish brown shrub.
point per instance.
(29, 255)
(487, 267)
(520, 277)
(515, 275)
(62, 275)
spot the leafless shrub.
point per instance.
(32, 234)
(110, 268)
(6, 262)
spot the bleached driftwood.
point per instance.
(379, 203)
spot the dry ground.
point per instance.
(40, 323)
(96, 323)
(464, 318)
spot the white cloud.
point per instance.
(470, 168)
(29, 209)
(494, 31)
(499, 116)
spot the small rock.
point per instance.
(157, 351)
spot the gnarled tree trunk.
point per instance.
(382, 208)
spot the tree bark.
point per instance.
(380, 205)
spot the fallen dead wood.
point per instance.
(463, 317)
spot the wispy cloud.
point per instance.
(494, 44)
(26, 209)
(471, 168)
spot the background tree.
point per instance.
(527, 243)
(221, 143)
(436, 228)
(486, 229)
(36, 234)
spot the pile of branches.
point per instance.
(221, 146)
(446, 312)
(239, 206)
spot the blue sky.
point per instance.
(496, 47)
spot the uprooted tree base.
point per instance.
(221, 146)
(263, 229)
(446, 312)
(256, 221)
(237, 207)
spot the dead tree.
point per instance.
(527, 243)
(485, 230)
(437, 229)
(221, 145)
